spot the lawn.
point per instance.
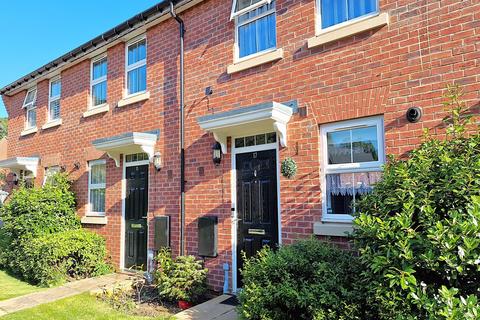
(81, 307)
(11, 287)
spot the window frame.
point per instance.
(30, 107)
(237, 58)
(234, 14)
(318, 13)
(96, 186)
(357, 167)
(136, 65)
(56, 169)
(54, 99)
(94, 82)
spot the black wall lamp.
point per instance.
(217, 153)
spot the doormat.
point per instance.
(232, 301)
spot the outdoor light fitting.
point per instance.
(157, 161)
(217, 153)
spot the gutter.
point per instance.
(182, 129)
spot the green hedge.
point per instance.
(75, 253)
(307, 280)
(418, 231)
(42, 240)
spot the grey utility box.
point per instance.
(207, 236)
(162, 232)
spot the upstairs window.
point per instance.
(31, 109)
(98, 89)
(96, 187)
(137, 66)
(54, 99)
(255, 26)
(352, 163)
(334, 12)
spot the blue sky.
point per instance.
(36, 32)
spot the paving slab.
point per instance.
(54, 294)
(219, 308)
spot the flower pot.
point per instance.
(182, 304)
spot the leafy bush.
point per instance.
(42, 238)
(182, 278)
(75, 253)
(418, 232)
(307, 280)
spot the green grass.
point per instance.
(11, 287)
(81, 307)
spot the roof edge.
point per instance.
(105, 38)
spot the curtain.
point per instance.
(350, 184)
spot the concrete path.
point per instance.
(219, 308)
(53, 294)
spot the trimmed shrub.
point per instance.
(75, 254)
(418, 231)
(42, 240)
(180, 278)
(307, 280)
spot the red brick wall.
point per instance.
(384, 71)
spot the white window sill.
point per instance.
(333, 229)
(94, 220)
(96, 110)
(28, 131)
(349, 30)
(255, 61)
(51, 124)
(133, 99)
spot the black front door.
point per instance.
(257, 210)
(136, 209)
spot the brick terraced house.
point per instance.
(327, 83)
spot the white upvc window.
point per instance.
(255, 27)
(335, 13)
(50, 172)
(98, 82)
(136, 66)
(31, 108)
(55, 91)
(96, 187)
(352, 155)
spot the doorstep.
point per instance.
(219, 308)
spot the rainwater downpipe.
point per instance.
(182, 131)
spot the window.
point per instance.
(50, 172)
(334, 12)
(98, 89)
(30, 105)
(255, 28)
(136, 67)
(256, 140)
(54, 99)
(96, 187)
(136, 157)
(352, 159)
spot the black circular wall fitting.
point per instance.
(414, 114)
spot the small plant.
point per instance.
(119, 297)
(180, 279)
(289, 168)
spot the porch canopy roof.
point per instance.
(21, 163)
(270, 116)
(128, 143)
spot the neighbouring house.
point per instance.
(325, 83)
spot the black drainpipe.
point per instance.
(182, 132)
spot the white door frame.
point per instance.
(124, 195)
(235, 151)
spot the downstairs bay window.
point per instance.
(353, 155)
